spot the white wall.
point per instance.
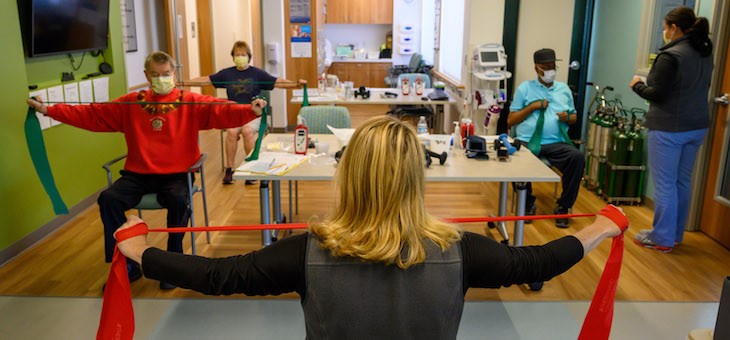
(543, 24)
(231, 22)
(150, 21)
(369, 37)
(273, 32)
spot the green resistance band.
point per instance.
(37, 149)
(262, 130)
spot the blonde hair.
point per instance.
(159, 57)
(381, 214)
(241, 45)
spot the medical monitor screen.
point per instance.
(63, 26)
(489, 57)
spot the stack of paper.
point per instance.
(273, 163)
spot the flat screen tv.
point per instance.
(64, 26)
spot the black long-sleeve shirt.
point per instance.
(280, 268)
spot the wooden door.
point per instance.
(337, 12)
(175, 18)
(257, 44)
(205, 42)
(716, 203)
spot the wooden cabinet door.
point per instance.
(359, 74)
(337, 11)
(340, 70)
(381, 11)
(378, 71)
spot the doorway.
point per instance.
(715, 209)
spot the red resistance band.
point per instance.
(117, 314)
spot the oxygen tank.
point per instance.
(617, 155)
(635, 157)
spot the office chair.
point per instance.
(149, 201)
(317, 118)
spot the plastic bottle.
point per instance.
(419, 85)
(422, 126)
(456, 140)
(322, 84)
(405, 86)
(467, 129)
(301, 137)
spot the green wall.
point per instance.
(75, 155)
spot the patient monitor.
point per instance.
(491, 56)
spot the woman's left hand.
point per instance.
(132, 247)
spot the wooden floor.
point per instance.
(70, 262)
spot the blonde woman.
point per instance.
(366, 270)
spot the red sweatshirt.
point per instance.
(161, 138)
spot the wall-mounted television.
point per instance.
(65, 26)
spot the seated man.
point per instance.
(544, 108)
(162, 143)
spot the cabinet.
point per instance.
(359, 12)
(368, 74)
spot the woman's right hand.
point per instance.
(132, 247)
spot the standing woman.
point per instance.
(243, 82)
(677, 88)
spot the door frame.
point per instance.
(580, 50)
(721, 25)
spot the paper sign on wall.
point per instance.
(86, 94)
(71, 93)
(55, 95)
(101, 89)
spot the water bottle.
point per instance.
(322, 84)
(422, 126)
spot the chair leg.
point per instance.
(296, 196)
(291, 207)
(205, 204)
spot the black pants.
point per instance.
(127, 191)
(570, 161)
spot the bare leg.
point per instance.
(232, 136)
(249, 138)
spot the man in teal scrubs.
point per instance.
(541, 111)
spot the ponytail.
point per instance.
(698, 29)
(700, 36)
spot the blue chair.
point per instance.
(319, 116)
(149, 201)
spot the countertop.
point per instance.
(388, 60)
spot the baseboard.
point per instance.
(46, 230)
(280, 130)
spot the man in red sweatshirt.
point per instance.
(161, 132)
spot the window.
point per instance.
(451, 38)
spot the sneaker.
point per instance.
(251, 181)
(561, 222)
(530, 212)
(228, 178)
(645, 232)
(134, 272)
(167, 286)
(644, 241)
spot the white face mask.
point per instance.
(163, 85)
(666, 38)
(241, 61)
(549, 76)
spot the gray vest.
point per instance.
(687, 106)
(350, 299)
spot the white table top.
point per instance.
(375, 98)
(523, 166)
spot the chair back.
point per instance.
(412, 78)
(416, 62)
(319, 116)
